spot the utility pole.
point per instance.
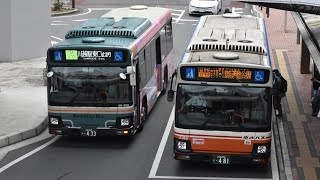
(73, 4)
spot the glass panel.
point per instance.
(98, 86)
(223, 107)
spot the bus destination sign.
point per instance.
(84, 55)
(224, 74)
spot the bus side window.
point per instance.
(148, 60)
(142, 68)
(163, 43)
(169, 37)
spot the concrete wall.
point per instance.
(5, 33)
(27, 35)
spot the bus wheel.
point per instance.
(144, 115)
(165, 83)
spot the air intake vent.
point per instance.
(230, 47)
(90, 28)
(103, 27)
(127, 27)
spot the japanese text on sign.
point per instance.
(226, 73)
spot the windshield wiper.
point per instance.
(87, 88)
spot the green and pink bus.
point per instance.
(107, 74)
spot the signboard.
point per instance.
(224, 74)
(86, 55)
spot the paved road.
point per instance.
(135, 158)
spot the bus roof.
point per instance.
(130, 28)
(228, 39)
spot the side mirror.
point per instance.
(131, 70)
(170, 95)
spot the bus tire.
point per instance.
(144, 114)
(165, 83)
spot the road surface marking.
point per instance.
(181, 14)
(29, 154)
(79, 20)
(54, 37)
(52, 24)
(101, 9)
(162, 145)
(89, 11)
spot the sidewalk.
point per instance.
(301, 129)
(23, 100)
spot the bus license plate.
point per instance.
(220, 159)
(89, 132)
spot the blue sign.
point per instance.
(118, 56)
(190, 73)
(58, 55)
(258, 76)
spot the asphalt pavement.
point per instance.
(99, 158)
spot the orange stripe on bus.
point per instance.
(207, 135)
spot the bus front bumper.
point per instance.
(261, 159)
(91, 131)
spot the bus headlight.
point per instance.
(262, 149)
(181, 145)
(125, 122)
(54, 120)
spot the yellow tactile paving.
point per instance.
(305, 161)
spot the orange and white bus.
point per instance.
(223, 107)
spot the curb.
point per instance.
(71, 11)
(23, 134)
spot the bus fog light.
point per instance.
(262, 149)
(125, 122)
(182, 145)
(54, 121)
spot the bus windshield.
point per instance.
(229, 108)
(88, 86)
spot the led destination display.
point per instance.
(224, 74)
(87, 55)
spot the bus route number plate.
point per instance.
(220, 159)
(89, 132)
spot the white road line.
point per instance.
(29, 154)
(181, 14)
(54, 37)
(101, 9)
(175, 14)
(52, 24)
(4, 150)
(177, 10)
(191, 20)
(54, 42)
(177, 23)
(89, 11)
(165, 136)
(57, 21)
(161, 147)
(79, 20)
